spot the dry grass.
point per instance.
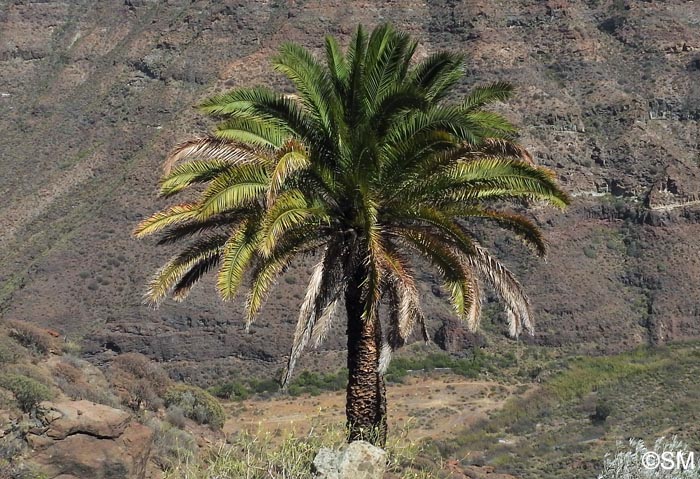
(266, 455)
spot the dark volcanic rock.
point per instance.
(453, 336)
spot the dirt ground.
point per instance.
(432, 406)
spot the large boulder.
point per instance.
(67, 418)
(84, 440)
(357, 460)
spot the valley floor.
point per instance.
(429, 405)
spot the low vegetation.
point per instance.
(196, 404)
(35, 339)
(314, 383)
(308, 382)
(138, 382)
(172, 445)
(469, 367)
(27, 391)
(10, 351)
(78, 379)
(266, 455)
(563, 429)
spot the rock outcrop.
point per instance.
(85, 440)
(453, 336)
(357, 460)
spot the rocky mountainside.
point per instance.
(93, 94)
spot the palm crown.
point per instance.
(368, 163)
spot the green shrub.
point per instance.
(307, 382)
(232, 390)
(171, 445)
(468, 367)
(294, 390)
(264, 386)
(196, 404)
(28, 392)
(590, 252)
(71, 348)
(10, 352)
(602, 410)
(175, 416)
(17, 469)
(312, 382)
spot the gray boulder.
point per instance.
(357, 460)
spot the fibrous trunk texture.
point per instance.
(366, 393)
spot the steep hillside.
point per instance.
(92, 95)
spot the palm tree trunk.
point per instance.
(366, 394)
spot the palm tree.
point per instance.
(368, 163)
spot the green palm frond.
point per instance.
(388, 54)
(292, 158)
(518, 224)
(192, 277)
(196, 226)
(264, 277)
(263, 132)
(483, 178)
(490, 124)
(268, 268)
(238, 187)
(311, 81)
(482, 96)
(290, 210)
(502, 148)
(263, 106)
(437, 74)
(337, 66)
(449, 123)
(354, 98)
(369, 160)
(186, 174)
(235, 257)
(168, 217)
(448, 262)
(438, 222)
(174, 270)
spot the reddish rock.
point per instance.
(90, 441)
(71, 417)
